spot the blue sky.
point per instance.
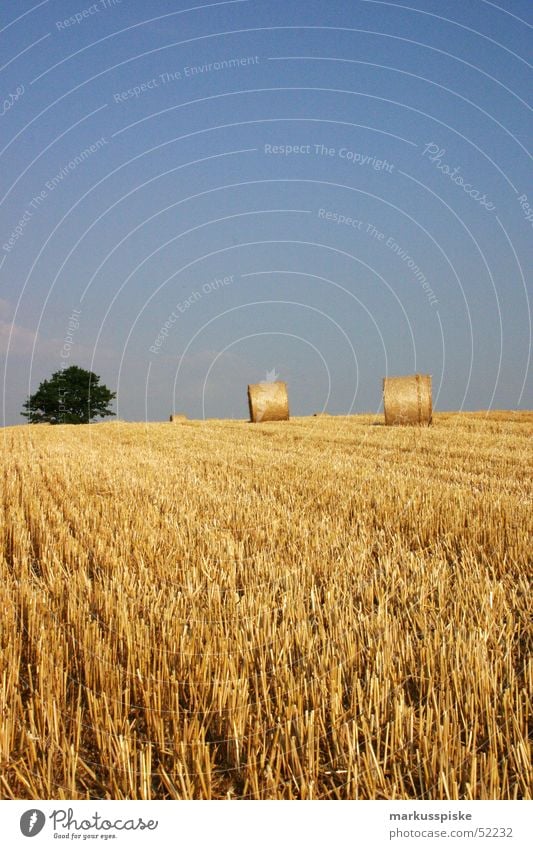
(197, 195)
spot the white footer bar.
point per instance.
(253, 825)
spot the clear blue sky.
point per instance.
(195, 196)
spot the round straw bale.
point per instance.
(407, 400)
(178, 417)
(268, 402)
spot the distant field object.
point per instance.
(268, 402)
(321, 414)
(178, 417)
(407, 400)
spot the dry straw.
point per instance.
(268, 402)
(407, 400)
(178, 417)
(216, 617)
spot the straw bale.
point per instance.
(268, 402)
(178, 417)
(407, 400)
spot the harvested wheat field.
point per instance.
(322, 608)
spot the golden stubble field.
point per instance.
(324, 608)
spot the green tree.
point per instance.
(71, 396)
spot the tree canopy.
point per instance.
(71, 396)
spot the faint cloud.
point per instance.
(14, 337)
